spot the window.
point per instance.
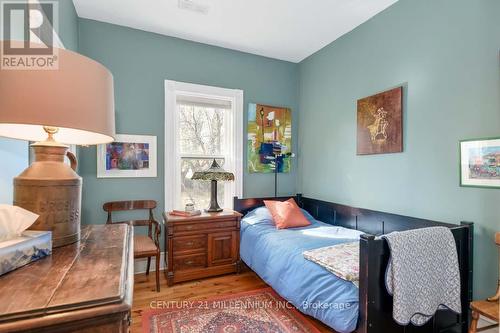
(202, 123)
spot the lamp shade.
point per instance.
(77, 98)
(215, 172)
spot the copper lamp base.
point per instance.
(51, 188)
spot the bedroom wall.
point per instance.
(16, 151)
(141, 62)
(446, 54)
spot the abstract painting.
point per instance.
(127, 156)
(269, 139)
(480, 163)
(380, 123)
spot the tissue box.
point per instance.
(30, 246)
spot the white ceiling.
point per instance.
(282, 29)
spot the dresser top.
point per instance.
(90, 273)
(225, 214)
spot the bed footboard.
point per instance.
(375, 303)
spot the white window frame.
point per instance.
(172, 165)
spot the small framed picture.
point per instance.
(127, 156)
(480, 162)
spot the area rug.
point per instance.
(255, 311)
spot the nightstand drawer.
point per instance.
(190, 262)
(189, 243)
(205, 225)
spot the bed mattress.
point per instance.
(277, 257)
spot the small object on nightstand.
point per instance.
(202, 246)
(184, 213)
(189, 207)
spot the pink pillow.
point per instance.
(286, 214)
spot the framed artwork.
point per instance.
(127, 156)
(380, 123)
(480, 162)
(269, 138)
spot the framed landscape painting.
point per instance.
(480, 162)
(127, 156)
(269, 140)
(380, 123)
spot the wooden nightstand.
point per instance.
(202, 246)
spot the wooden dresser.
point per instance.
(202, 246)
(82, 287)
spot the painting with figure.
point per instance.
(269, 138)
(380, 123)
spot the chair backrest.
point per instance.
(115, 206)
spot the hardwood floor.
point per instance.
(145, 294)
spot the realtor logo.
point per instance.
(28, 33)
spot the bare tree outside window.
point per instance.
(201, 139)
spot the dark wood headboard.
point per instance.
(369, 221)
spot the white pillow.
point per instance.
(14, 220)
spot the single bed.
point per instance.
(277, 257)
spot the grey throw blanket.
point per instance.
(422, 274)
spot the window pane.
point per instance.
(201, 130)
(198, 191)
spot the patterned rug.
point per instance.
(256, 311)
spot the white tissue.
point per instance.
(14, 220)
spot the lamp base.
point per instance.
(214, 210)
(52, 189)
(214, 206)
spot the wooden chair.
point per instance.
(144, 246)
(488, 308)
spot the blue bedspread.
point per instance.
(276, 256)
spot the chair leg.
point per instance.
(148, 266)
(497, 295)
(473, 323)
(157, 272)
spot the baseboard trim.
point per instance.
(141, 264)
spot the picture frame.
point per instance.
(380, 123)
(480, 162)
(129, 156)
(269, 139)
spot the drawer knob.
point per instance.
(189, 243)
(189, 227)
(189, 262)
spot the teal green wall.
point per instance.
(446, 53)
(141, 62)
(68, 24)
